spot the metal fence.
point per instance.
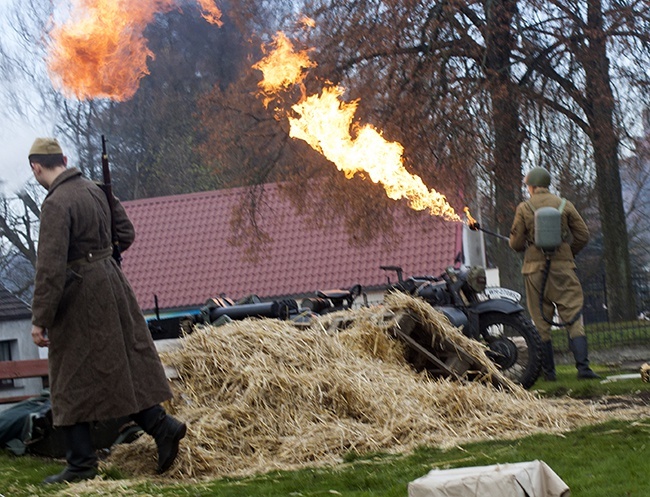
(604, 334)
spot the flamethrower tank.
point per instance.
(548, 228)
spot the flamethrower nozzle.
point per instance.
(475, 226)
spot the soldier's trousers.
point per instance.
(562, 292)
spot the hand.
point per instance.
(39, 336)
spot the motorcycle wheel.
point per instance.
(513, 344)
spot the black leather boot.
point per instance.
(548, 362)
(578, 346)
(80, 456)
(166, 430)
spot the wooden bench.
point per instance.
(13, 370)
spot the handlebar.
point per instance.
(397, 269)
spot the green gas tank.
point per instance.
(548, 227)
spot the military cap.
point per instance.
(538, 176)
(45, 146)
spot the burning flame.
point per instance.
(101, 50)
(471, 222)
(325, 122)
(210, 12)
(283, 67)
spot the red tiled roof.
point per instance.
(182, 253)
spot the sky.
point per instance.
(16, 133)
(16, 137)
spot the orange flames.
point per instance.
(470, 220)
(325, 122)
(283, 67)
(101, 50)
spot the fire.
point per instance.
(101, 50)
(282, 67)
(470, 220)
(325, 122)
(210, 12)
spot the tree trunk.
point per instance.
(507, 133)
(599, 108)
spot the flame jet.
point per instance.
(101, 51)
(325, 122)
(283, 67)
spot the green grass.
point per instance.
(567, 384)
(597, 461)
(603, 336)
(605, 460)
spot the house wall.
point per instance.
(18, 334)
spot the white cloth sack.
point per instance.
(525, 479)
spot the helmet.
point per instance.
(538, 176)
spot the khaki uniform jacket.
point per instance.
(522, 233)
(102, 360)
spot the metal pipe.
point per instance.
(477, 227)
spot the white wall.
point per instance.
(19, 332)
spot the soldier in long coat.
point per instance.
(562, 290)
(103, 363)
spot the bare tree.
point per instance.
(29, 93)
(18, 233)
(636, 177)
(154, 137)
(437, 78)
(572, 53)
(500, 59)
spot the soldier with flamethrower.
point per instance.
(550, 232)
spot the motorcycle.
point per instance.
(327, 301)
(492, 316)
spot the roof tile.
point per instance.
(183, 252)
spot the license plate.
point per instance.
(502, 293)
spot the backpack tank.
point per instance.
(548, 228)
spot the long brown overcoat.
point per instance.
(103, 363)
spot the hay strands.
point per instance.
(440, 354)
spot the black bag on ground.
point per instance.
(26, 428)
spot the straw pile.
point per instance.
(260, 395)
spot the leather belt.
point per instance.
(92, 256)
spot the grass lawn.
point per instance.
(605, 460)
(568, 384)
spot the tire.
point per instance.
(514, 345)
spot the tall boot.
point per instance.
(578, 346)
(80, 455)
(165, 430)
(548, 362)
